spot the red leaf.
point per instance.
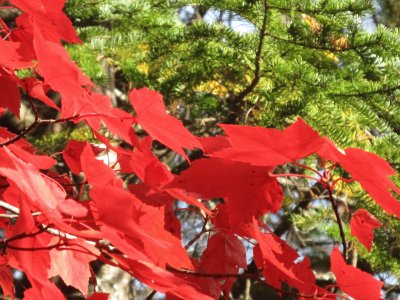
(41, 191)
(73, 152)
(50, 18)
(36, 90)
(269, 147)
(6, 279)
(97, 173)
(61, 74)
(9, 95)
(34, 264)
(138, 223)
(372, 172)
(153, 173)
(11, 57)
(99, 296)
(38, 161)
(151, 115)
(225, 253)
(362, 226)
(72, 265)
(352, 281)
(162, 280)
(214, 143)
(249, 190)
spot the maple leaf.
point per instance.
(214, 143)
(141, 224)
(11, 56)
(362, 226)
(72, 264)
(36, 89)
(153, 173)
(225, 253)
(373, 172)
(40, 191)
(9, 94)
(98, 109)
(352, 281)
(151, 115)
(267, 146)
(50, 18)
(277, 259)
(162, 280)
(6, 279)
(64, 76)
(38, 161)
(249, 190)
(34, 264)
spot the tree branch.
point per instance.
(338, 220)
(319, 47)
(243, 275)
(257, 59)
(360, 94)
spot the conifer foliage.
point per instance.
(51, 231)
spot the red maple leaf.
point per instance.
(353, 281)
(48, 15)
(249, 190)
(72, 264)
(9, 94)
(362, 226)
(151, 115)
(225, 253)
(267, 146)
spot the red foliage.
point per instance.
(362, 226)
(58, 234)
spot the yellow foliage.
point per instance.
(213, 87)
(340, 43)
(315, 26)
(332, 57)
(143, 68)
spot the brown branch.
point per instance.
(338, 220)
(197, 236)
(38, 121)
(257, 59)
(243, 275)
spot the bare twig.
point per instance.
(338, 220)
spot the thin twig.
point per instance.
(242, 275)
(197, 236)
(338, 220)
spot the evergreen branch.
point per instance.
(350, 8)
(360, 94)
(319, 47)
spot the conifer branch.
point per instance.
(361, 94)
(321, 47)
